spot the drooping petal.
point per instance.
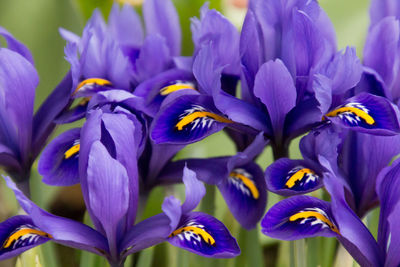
(204, 235)
(367, 113)
(291, 177)
(275, 88)
(18, 234)
(161, 18)
(245, 193)
(186, 120)
(300, 217)
(59, 161)
(64, 231)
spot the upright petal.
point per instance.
(380, 9)
(275, 88)
(204, 235)
(18, 81)
(16, 46)
(161, 18)
(108, 191)
(194, 190)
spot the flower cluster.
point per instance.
(141, 102)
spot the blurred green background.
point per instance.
(36, 23)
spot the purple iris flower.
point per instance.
(238, 178)
(109, 146)
(284, 94)
(303, 216)
(23, 133)
(121, 54)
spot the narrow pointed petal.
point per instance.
(393, 251)
(161, 18)
(275, 88)
(245, 193)
(367, 113)
(194, 190)
(59, 161)
(186, 120)
(204, 235)
(292, 177)
(43, 121)
(19, 234)
(300, 217)
(16, 46)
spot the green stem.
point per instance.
(208, 202)
(300, 253)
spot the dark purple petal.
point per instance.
(275, 88)
(73, 114)
(43, 121)
(381, 50)
(108, 190)
(300, 217)
(393, 251)
(59, 161)
(157, 88)
(354, 236)
(387, 189)
(186, 120)
(18, 80)
(208, 75)
(367, 113)
(371, 82)
(204, 235)
(64, 231)
(155, 229)
(16, 46)
(161, 18)
(19, 234)
(292, 177)
(245, 193)
(362, 157)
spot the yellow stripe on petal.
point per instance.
(297, 176)
(248, 183)
(72, 151)
(201, 232)
(176, 87)
(314, 214)
(356, 111)
(200, 114)
(21, 233)
(92, 82)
